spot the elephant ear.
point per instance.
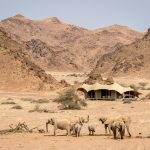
(81, 120)
(53, 121)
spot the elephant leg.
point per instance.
(76, 133)
(122, 133)
(105, 128)
(128, 131)
(109, 128)
(55, 132)
(114, 132)
(92, 132)
(68, 132)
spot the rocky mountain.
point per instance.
(59, 46)
(17, 71)
(132, 59)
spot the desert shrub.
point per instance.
(38, 109)
(35, 101)
(143, 84)
(124, 85)
(9, 99)
(16, 107)
(147, 96)
(8, 103)
(70, 100)
(148, 88)
(40, 101)
(74, 75)
(127, 101)
(133, 86)
(76, 82)
(143, 98)
(26, 99)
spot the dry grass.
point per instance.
(40, 101)
(38, 109)
(127, 101)
(26, 99)
(9, 99)
(8, 103)
(17, 107)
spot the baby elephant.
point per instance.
(77, 129)
(91, 129)
(118, 127)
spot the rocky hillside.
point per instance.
(132, 59)
(61, 46)
(17, 71)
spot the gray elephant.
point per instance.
(62, 124)
(77, 129)
(118, 127)
(109, 121)
(106, 123)
(78, 120)
(91, 128)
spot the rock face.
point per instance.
(64, 47)
(17, 71)
(132, 59)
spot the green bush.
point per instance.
(70, 100)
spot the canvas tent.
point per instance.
(108, 92)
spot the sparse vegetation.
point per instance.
(143, 84)
(16, 107)
(9, 99)
(133, 86)
(128, 101)
(35, 101)
(73, 75)
(40, 101)
(70, 100)
(8, 103)
(76, 82)
(38, 109)
(26, 99)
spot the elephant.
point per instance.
(106, 123)
(109, 121)
(118, 127)
(77, 129)
(91, 129)
(78, 120)
(62, 124)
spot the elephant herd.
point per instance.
(73, 127)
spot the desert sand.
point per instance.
(137, 110)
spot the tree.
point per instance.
(70, 100)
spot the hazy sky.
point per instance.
(90, 14)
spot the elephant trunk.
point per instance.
(47, 126)
(87, 119)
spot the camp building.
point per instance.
(113, 91)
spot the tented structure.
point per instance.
(108, 92)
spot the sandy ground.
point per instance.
(138, 111)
